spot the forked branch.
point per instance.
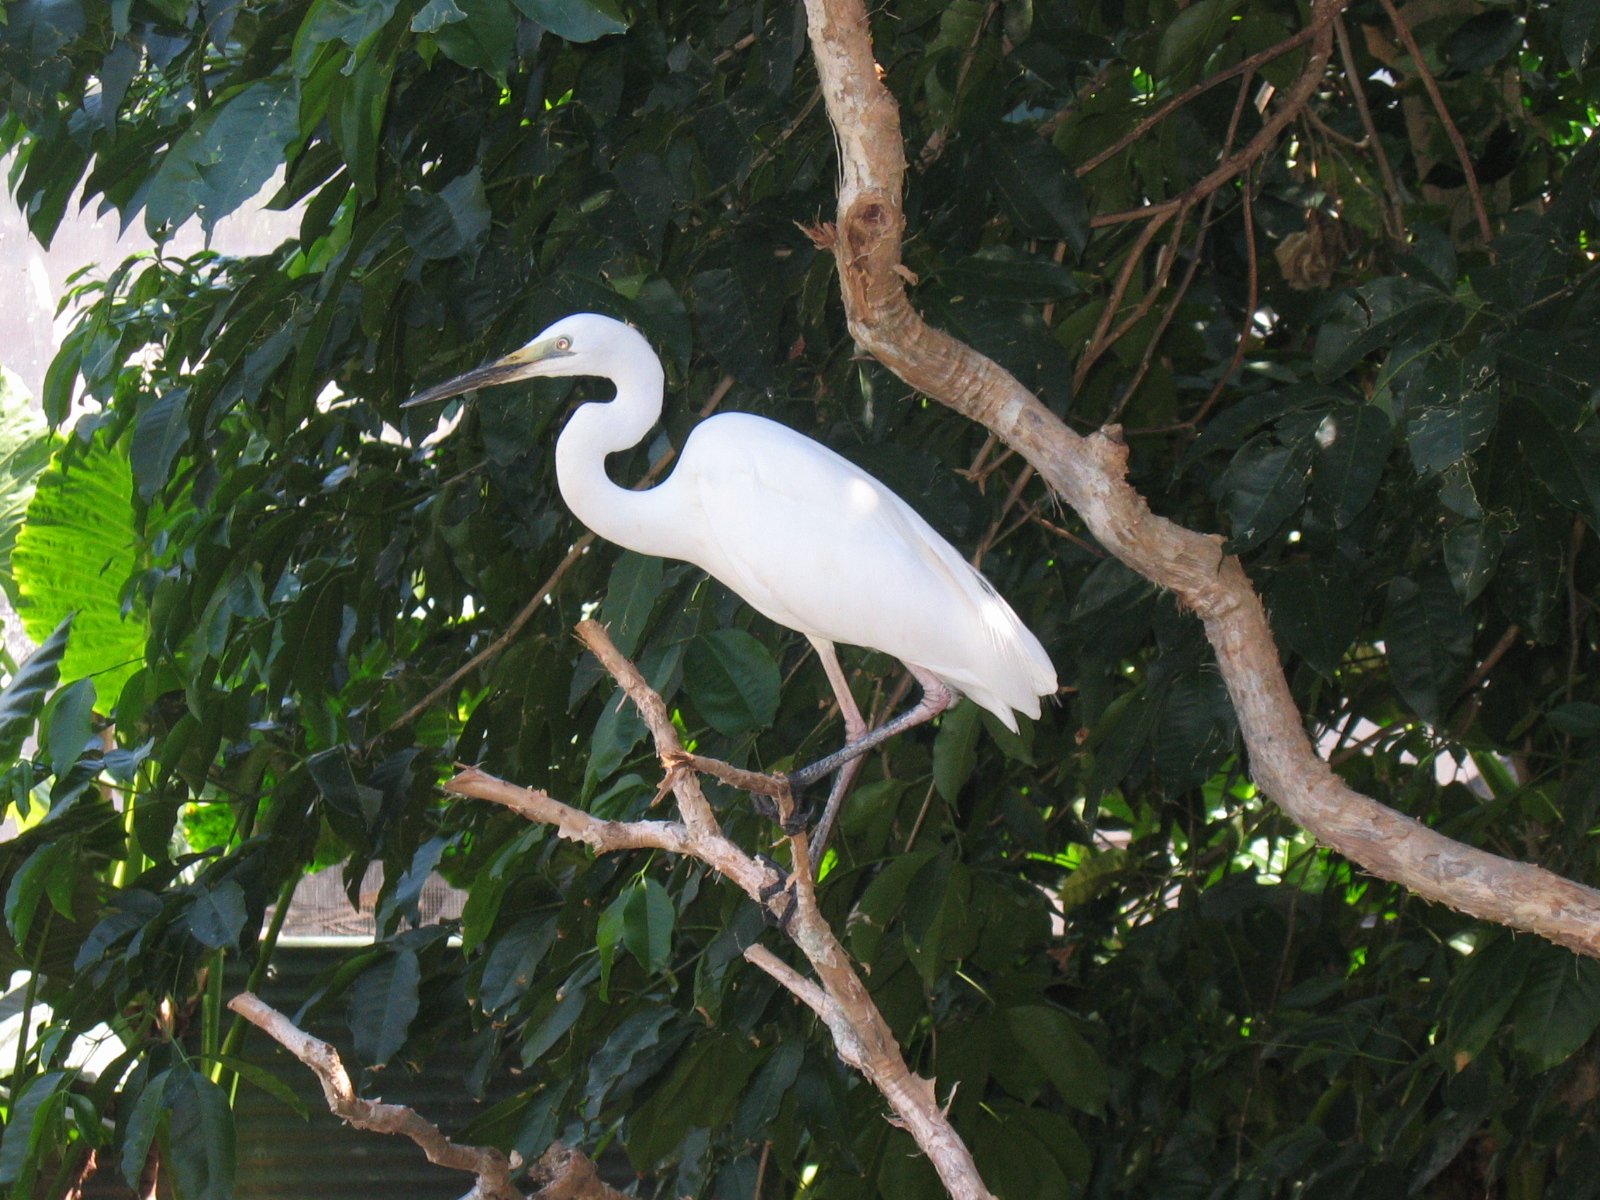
(491, 1167)
(837, 995)
(1090, 474)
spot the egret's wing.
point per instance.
(815, 543)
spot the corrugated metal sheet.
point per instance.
(282, 1157)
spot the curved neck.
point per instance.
(628, 518)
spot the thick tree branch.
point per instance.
(861, 1036)
(1090, 474)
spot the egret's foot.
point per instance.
(772, 810)
(782, 885)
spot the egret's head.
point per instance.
(582, 344)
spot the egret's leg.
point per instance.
(936, 697)
(855, 727)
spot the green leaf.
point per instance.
(880, 904)
(508, 973)
(259, 1076)
(25, 447)
(1003, 273)
(1387, 311)
(637, 1034)
(619, 729)
(36, 1108)
(563, 1014)
(1580, 30)
(1428, 637)
(632, 592)
(485, 40)
(1353, 446)
(144, 1123)
(648, 920)
(955, 749)
(1482, 40)
(349, 21)
(200, 1136)
(1558, 1006)
(1576, 718)
(1191, 35)
(75, 554)
(23, 698)
(1562, 447)
(159, 433)
(939, 924)
(1439, 435)
(334, 775)
(1050, 1038)
(1265, 483)
(576, 20)
(1197, 729)
(1037, 187)
(1471, 553)
(1315, 611)
(608, 934)
(450, 222)
(217, 916)
(702, 1089)
(726, 328)
(383, 1003)
(40, 871)
(434, 14)
(68, 724)
(732, 680)
(224, 158)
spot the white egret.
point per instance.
(804, 536)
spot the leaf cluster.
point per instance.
(1127, 972)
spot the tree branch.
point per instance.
(492, 1168)
(860, 1034)
(1090, 474)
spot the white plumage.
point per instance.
(804, 536)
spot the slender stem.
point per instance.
(1456, 141)
(1257, 59)
(29, 995)
(1395, 214)
(258, 973)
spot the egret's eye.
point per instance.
(563, 344)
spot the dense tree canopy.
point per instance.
(1345, 308)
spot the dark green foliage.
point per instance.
(1129, 975)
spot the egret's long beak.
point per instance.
(526, 363)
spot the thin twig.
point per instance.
(1252, 298)
(1101, 339)
(1260, 57)
(1154, 340)
(1164, 262)
(1296, 99)
(1396, 212)
(1432, 86)
(491, 1167)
